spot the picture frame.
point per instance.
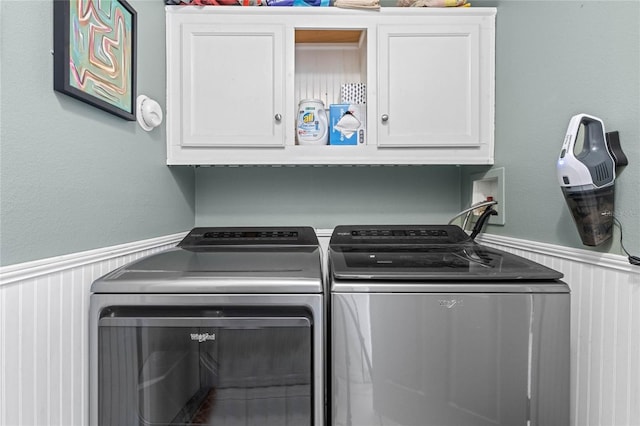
(95, 53)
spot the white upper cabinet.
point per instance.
(235, 77)
(232, 87)
(429, 83)
(227, 90)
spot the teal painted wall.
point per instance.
(555, 60)
(324, 197)
(73, 177)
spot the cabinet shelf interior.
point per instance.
(327, 58)
(328, 36)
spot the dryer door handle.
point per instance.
(226, 322)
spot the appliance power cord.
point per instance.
(482, 220)
(634, 260)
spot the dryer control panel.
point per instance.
(283, 236)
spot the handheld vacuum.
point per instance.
(587, 177)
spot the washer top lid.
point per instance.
(424, 253)
(225, 260)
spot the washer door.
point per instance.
(450, 359)
(213, 366)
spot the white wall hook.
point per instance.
(149, 113)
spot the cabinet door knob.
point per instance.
(385, 117)
(278, 117)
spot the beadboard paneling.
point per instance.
(43, 333)
(605, 329)
(44, 348)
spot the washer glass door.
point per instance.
(213, 366)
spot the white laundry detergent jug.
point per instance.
(312, 126)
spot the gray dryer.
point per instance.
(225, 329)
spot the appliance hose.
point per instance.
(473, 207)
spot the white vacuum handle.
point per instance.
(571, 171)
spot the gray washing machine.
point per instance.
(224, 329)
(430, 328)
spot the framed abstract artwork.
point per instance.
(94, 56)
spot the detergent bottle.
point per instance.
(312, 125)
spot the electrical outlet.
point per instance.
(490, 184)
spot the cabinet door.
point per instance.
(231, 85)
(429, 87)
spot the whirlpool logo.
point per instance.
(203, 337)
(450, 303)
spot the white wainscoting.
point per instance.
(44, 308)
(605, 329)
(43, 331)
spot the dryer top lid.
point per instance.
(226, 260)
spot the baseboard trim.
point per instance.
(30, 270)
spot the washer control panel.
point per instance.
(398, 234)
